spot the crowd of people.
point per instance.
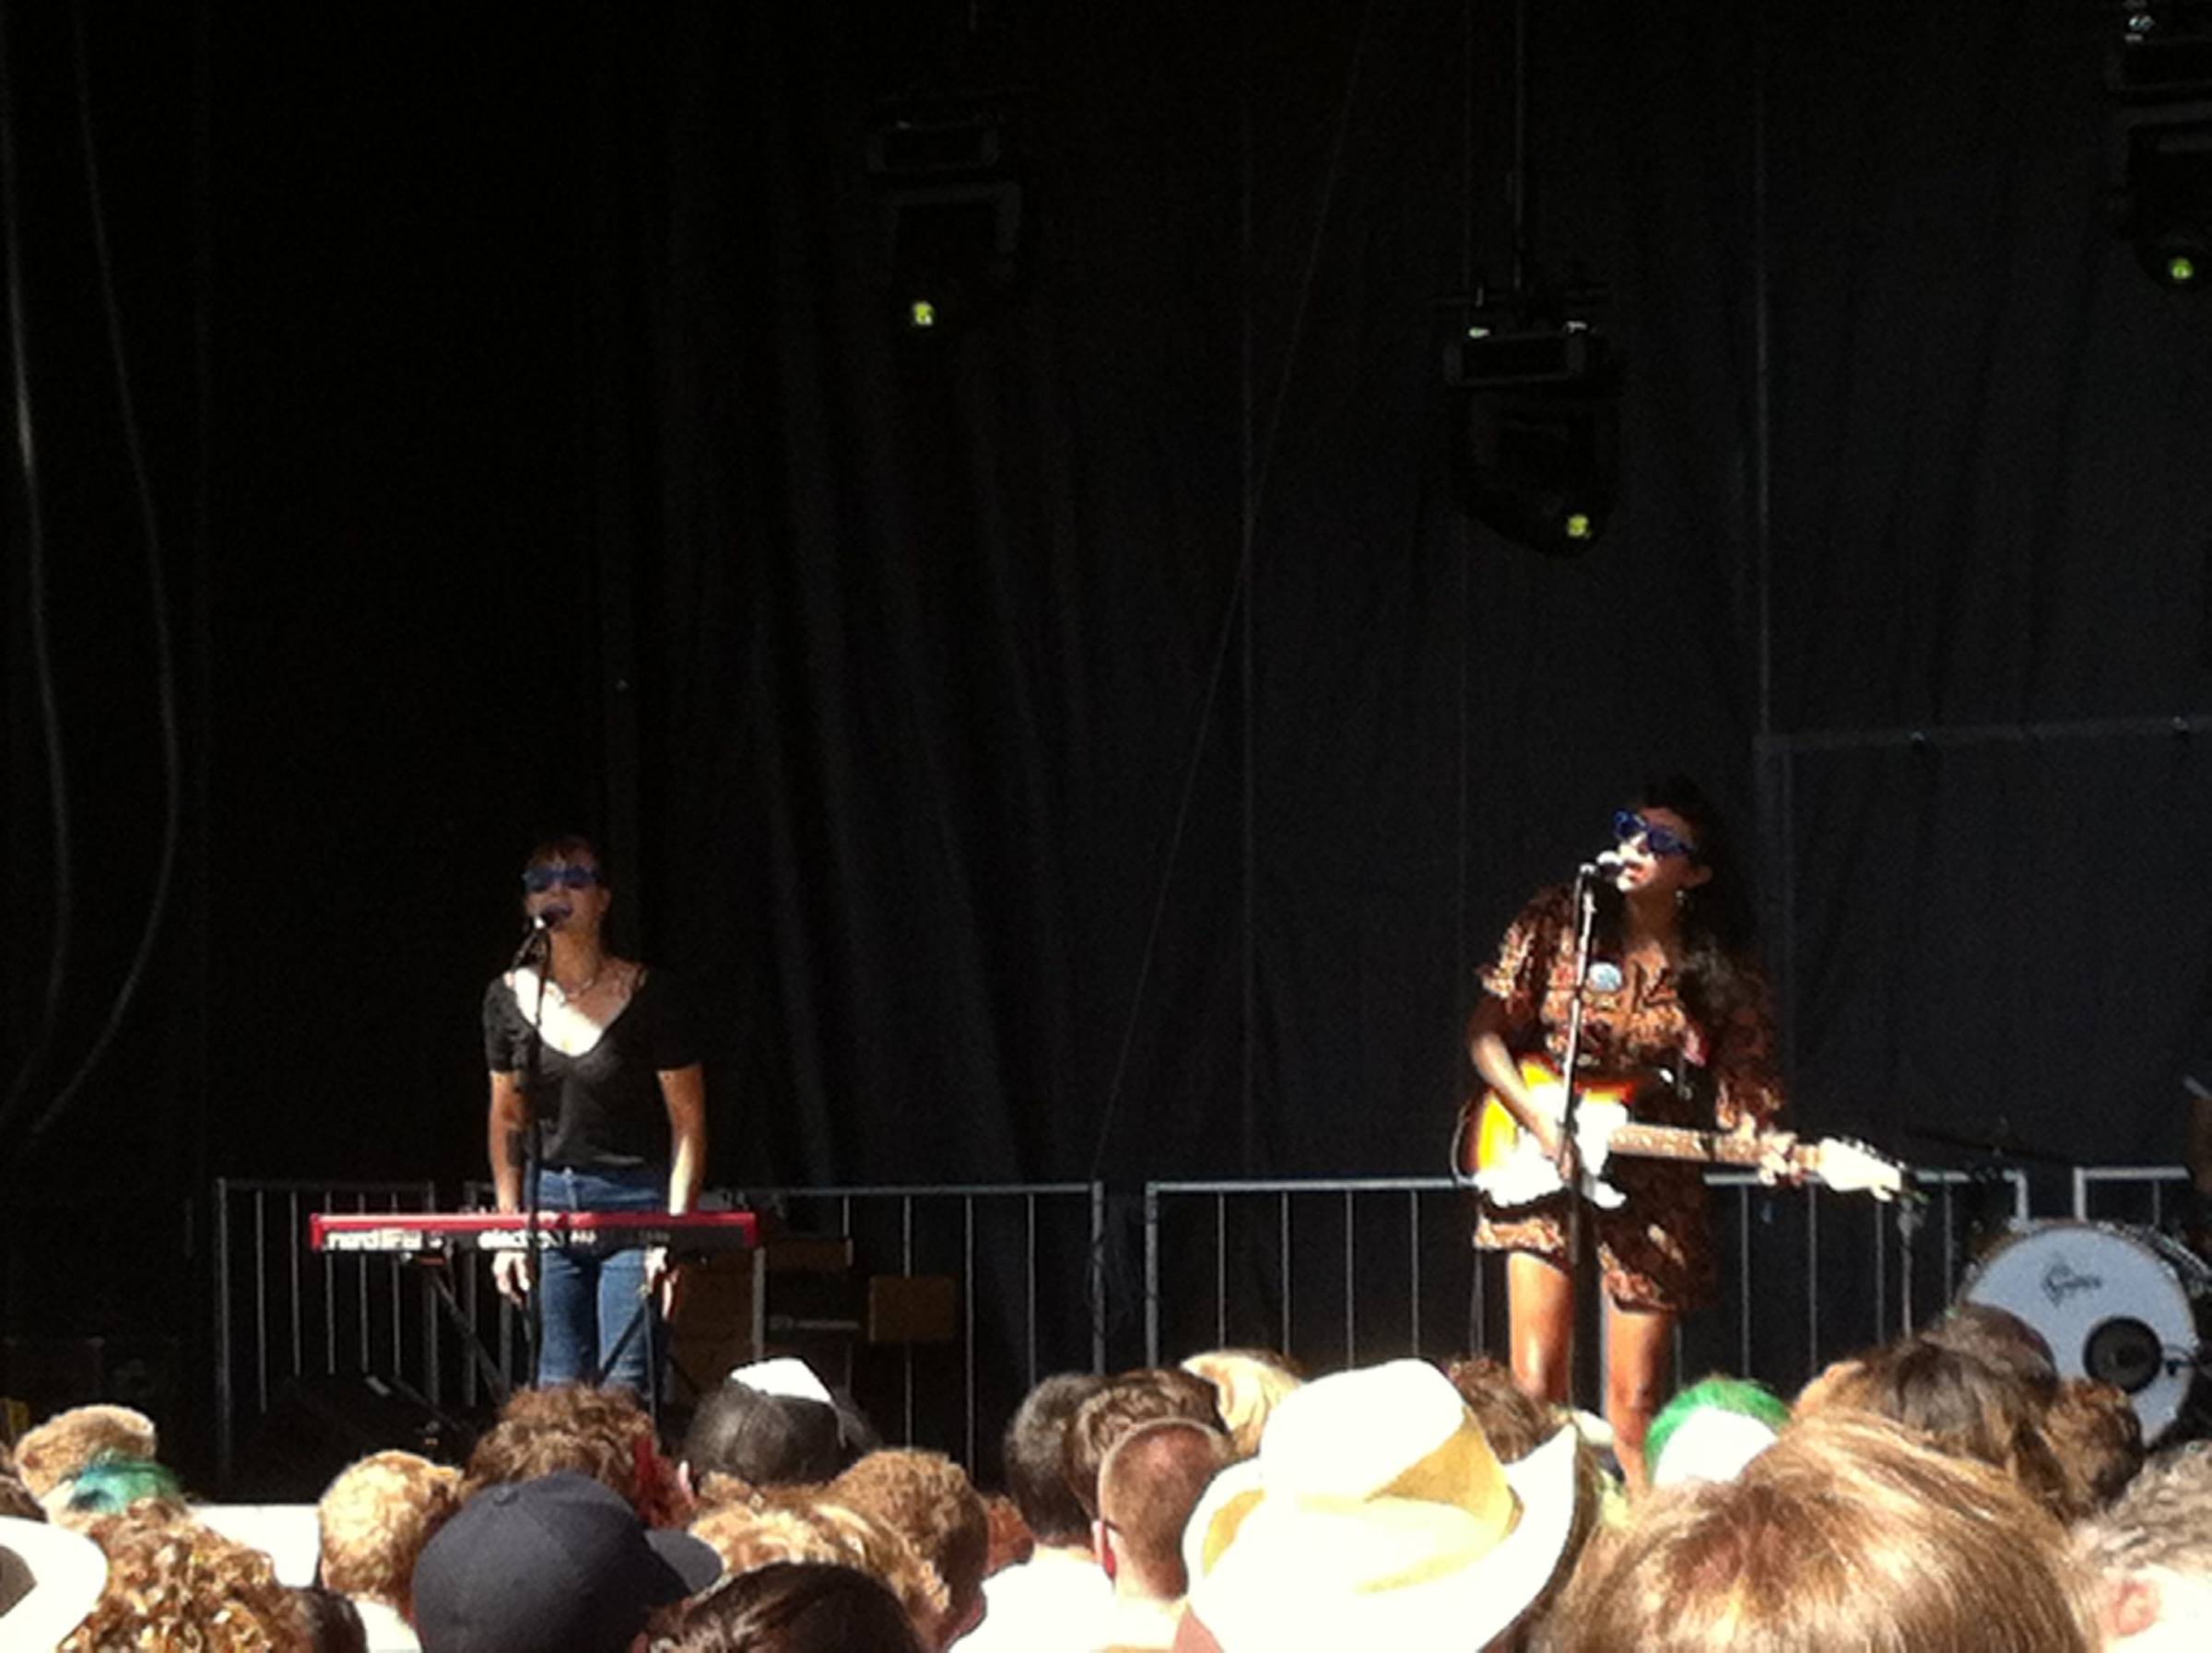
(1948, 1491)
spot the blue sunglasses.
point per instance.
(538, 880)
(1627, 824)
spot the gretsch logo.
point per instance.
(2061, 1282)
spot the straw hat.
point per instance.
(1377, 1514)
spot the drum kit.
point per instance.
(2122, 1303)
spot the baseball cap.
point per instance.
(557, 1564)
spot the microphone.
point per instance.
(1604, 865)
(539, 936)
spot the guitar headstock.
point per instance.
(1850, 1167)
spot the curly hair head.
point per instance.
(375, 1518)
(60, 1447)
(176, 1583)
(603, 1434)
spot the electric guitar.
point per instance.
(1492, 1154)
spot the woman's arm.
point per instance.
(509, 1118)
(1493, 1060)
(684, 1091)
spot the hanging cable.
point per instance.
(157, 594)
(42, 653)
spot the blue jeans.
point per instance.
(591, 1297)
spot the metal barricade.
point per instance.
(1034, 1252)
(284, 1315)
(1031, 1253)
(1805, 1276)
(2133, 1194)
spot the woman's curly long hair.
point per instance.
(174, 1582)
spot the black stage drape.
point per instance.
(1094, 741)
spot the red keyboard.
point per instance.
(441, 1234)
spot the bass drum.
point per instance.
(2117, 1304)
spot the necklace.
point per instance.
(569, 995)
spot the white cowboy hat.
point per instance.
(49, 1578)
(1376, 1515)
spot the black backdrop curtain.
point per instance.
(1095, 738)
(1137, 744)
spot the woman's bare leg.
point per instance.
(1540, 1305)
(1640, 1348)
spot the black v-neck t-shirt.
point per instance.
(602, 1109)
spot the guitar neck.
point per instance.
(1681, 1143)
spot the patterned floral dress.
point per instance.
(1656, 1249)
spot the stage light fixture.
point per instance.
(1534, 405)
(2159, 74)
(953, 219)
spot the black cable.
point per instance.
(41, 656)
(158, 591)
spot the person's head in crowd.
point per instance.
(1711, 1429)
(2151, 1550)
(1151, 1481)
(175, 1582)
(2097, 1438)
(109, 1486)
(602, 1433)
(1248, 1383)
(1012, 1542)
(1848, 1535)
(1514, 1422)
(1036, 1457)
(19, 1502)
(1962, 1405)
(49, 1578)
(1129, 1398)
(376, 1516)
(1377, 1514)
(54, 1452)
(796, 1607)
(929, 1500)
(762, 1439)
(1996, 1337)
(1834, 1379)
(334, 1623)
(796, 1525)
(561, 1562)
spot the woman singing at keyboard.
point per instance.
(621, 1098)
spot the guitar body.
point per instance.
(1492, 1154)
(1509, 1165)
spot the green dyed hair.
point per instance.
(108, 1486)
(1754, 1401)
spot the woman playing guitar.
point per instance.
(1674, 992)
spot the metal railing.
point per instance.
(2144, 1192)
(1334, 1271)
(283, 1314)
(992, 1220)
(1022, 1256)
(1845, 1271)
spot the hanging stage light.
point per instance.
(1535, 411)
(2159, 73)
(952, 207)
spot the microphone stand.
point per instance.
(1585, 903)
(538, 941)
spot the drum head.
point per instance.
(2115, 1304)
